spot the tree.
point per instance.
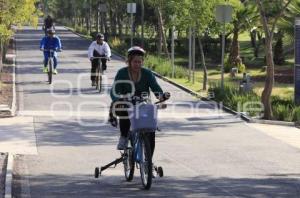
(18, 13)
(269, 18)
(243, 17)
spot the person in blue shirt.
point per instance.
(51, 41)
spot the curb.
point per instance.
(220, 105)
(8, 177)
(272, 122)
(3, 170)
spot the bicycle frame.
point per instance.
(138, 153)
(50, 64)
(99, 73)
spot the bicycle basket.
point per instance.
(143, 117)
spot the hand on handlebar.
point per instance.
(113, 120)
(165, 96)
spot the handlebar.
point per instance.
(101, 57)
(138, 99)
(51, 50)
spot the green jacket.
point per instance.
(146, 82)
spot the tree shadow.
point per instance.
(47, 185)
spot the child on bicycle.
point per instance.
(98, 48)
(51, 41)
(143, 80)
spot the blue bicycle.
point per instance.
(143, 119)
(50, 63)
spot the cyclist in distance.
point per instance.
(48, 23)
(50, 42)
(143, 80)
(98, 48)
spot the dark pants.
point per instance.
(95, 63)
(125, 127)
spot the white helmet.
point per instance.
(136, 50)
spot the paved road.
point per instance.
(204, 152)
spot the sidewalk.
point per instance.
(17, 135)
(288, 134)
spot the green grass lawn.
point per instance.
(214, 75)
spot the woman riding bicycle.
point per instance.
(143, 80)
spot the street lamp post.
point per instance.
(297, 63)
(131, 8)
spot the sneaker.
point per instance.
(45, 69)
(122, 143)
(54, 71)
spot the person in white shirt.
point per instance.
(98, 48)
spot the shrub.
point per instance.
(282, 112)
(276, 100)
(241, 67)
(296, 114)
(163, 66)
(236, 100)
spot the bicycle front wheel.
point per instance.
(146, 162)
(100, 83)
(129, 162)
(50, 65)
(97, 77)
(100, 71)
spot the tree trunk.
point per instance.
(101, 22)
(203, 63)
(142, 22)
(113, 20)
(97, 17)
(159, 41)
(234, 55)
(90, 17)
(190, 53)
(1, 55)
(106, 31)
(266, 94)
(278, 50)
(120, 26)
(161, 31)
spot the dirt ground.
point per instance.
(6, 89)
(281, 76)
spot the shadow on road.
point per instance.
(201, 186)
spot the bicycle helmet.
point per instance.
(100, 36)
(136, 50)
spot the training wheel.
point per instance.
(97, 172)
(160, 171)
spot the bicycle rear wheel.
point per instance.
(146, 162)
(50, 65)
(128, 162)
